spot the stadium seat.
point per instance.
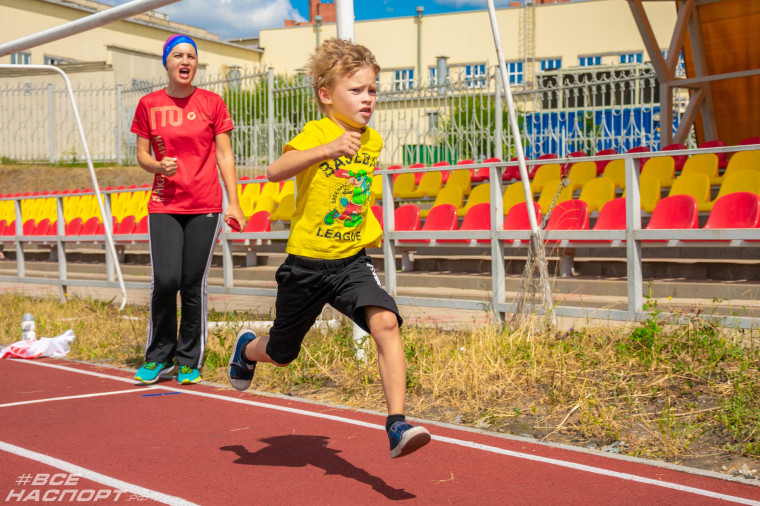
(749, 141)
(479, 194)
(90, 226)
(451, 194)
(695, 184)
(270, 189)
(248, 198)
(287, 187)
(258, 222)
(444, 173)
(477, 218)
(513, 172)
(611, 217)
(41, 228)
(601, 164)
(549, 194)
(743, 160)
(674, 212)
(568, 215)
(650, 192)
(679, 160)
(742, 181)
(404, 186)
(703, 163)
(598, 192)
(417, 175)
(443, 217)
(377, 186)
(547, 156)
(126, 226)
(722, 160)
(265, 203)
(483, 173)
(406, 218)
(430, 184)
(74, 227)
(514, 194)
(580, 173)
(545, 174)
(461, 178)
(285, 208)
(394, 167)
(735, 210)
(573, 154)
(3, 227)
(517, 219)
(378, 212)
(615, 170)
(28, 227)
(142, 226)
(640, 149)
(662, 168)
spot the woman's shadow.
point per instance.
(299, 451)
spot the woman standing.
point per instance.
(188, 131)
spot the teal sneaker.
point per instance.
(149, 372)
(188, 375)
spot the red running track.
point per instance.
(204, 444)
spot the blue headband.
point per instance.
(173, 41)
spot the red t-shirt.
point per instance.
(184, 128)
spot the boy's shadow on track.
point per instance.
(300, 451)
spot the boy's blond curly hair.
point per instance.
(334, 59)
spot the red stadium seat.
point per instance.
(406, 218)
(517, 218)
(749, 141)
(478, 217)
(444, 173)
(611, 217)
(568, 215)
(735, 210)
(126, 226)
(678, 159)
(29, 227)
(41, 228)
(259, 222)
(601, 164)
(11, 228)
(90, 227)
(417, 175)
(722, 160)
(74, 226)
(142, 227)
(640, 149)
(3, 227)
(547, 156)
(674, 212)
(483, 173)
(441, 217)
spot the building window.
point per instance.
(54, 60)
(21, 58)
(475, 75)
(403, 79)
(589, 61)
(515, 72)
(631, 58)
(551, 64)
(433, 75)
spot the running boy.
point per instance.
(333, 160)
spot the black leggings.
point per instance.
(181, 250)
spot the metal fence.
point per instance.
(580, 109)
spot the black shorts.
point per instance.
(305, 285)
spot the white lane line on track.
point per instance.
(83, 396)
(93, 476)
(458, 442)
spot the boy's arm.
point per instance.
(294, 161)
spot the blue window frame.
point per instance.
(631, 58)
(515, 71)
(433, 75)
(475, 75)
(589, 61)
(403, 79)
(551, 64)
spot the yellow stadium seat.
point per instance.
(695, 184)
(549, 192)
(597, 192)
(478, 195)
(248, 198)
(404, 186)
(270, 189)
(513, 194)
(650, 192)
(741, 181)
(663, 168)
(285, 208)
(615, 170)
(430, 184)
(450, 194)
(461, 178)
(377, 186)
(580, 173)
(265, 203)
(703, 163)
(288, 188)
(545, 174)
(743, 160)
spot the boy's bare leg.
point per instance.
(383, 327)
(256, 351)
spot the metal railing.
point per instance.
(578, 109)
(632, 239)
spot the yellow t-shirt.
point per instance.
(333, 197)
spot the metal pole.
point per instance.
(51, 124)
(119, 123)
(420, 10)
(512, 115)
(81, 25)
(344, 18)
(270, 115)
